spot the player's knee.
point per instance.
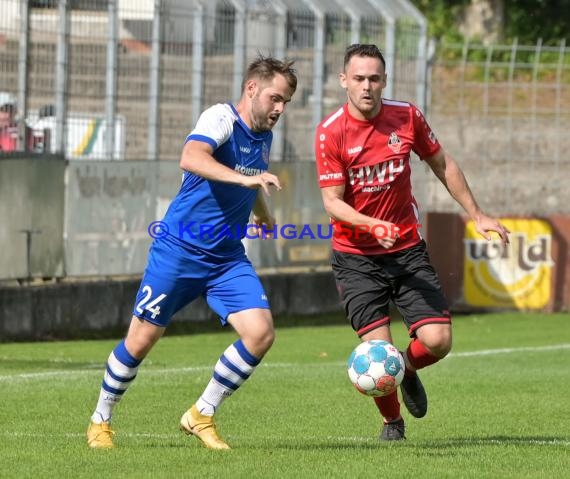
(262, 340)
(257, 334)
(266, 338)
(441, 350)
(437, 340)
(141, 337)
(440, 346)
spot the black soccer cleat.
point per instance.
(393, 431)
(414, 395)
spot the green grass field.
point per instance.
(499, 408)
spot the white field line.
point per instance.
(98, 369)
(522, 349)
(342, 439)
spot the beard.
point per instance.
(259, 117)
(260, 123)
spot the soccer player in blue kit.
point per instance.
(200, 252)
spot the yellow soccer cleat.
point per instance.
(100, 436)
(203, 427)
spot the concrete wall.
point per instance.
(32, 194)
(104, 308)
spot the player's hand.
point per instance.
(265, 226)
(264, 181)
(386, 233)
(484, 224)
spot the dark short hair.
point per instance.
(363, 50)
(265, 68)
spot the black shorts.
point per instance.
(366, 284)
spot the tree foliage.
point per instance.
(442, 16)
(529, 20)
(526, 20)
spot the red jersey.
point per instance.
(371, 158)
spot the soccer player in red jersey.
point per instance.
(363, 164)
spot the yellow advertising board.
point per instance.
(518, 275)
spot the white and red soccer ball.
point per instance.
(376, 368)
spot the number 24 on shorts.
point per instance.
(153, 306)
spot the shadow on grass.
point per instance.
(250, 444)
(496, 441)
(433, 447)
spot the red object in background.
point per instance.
(8, 138)
(36, 141)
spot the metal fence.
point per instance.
(127, 79)
(504, 111)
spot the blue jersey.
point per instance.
(211, 215)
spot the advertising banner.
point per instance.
(518, 275)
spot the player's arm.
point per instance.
(197, 158)
(262, 217)
(340, 210)
(260, 207)
(450, 174)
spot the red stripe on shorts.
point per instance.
(428, 321)
(376, 324)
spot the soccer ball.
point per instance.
(376, 368)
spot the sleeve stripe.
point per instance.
(395, 102)
(202, 138)
(339, 112)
